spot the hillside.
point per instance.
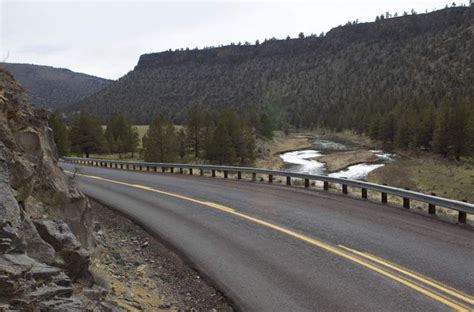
(54, 88)
(345, 79)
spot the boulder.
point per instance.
(75, 263)
(58, 234)
(36, 247)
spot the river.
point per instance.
(304, 161)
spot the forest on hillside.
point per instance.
(54, 88)
(404, 80)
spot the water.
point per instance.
(356, 172)
(303, 161)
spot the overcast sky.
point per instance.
(105, 38)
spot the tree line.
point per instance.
(224, 138)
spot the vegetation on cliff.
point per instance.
(392, 79)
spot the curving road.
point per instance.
(276, 248)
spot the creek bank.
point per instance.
(342, 160)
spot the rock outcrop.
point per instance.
(44, 218)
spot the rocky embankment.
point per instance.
(142, 273)
(45, 222)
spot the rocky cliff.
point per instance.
(44, 218)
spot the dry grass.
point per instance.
(429, 174)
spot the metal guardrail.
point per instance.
(463, 208)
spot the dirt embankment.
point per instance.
(142, 274)
(338, 161)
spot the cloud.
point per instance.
(106, 38)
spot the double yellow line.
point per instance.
(428, 287)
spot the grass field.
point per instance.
(142, 129)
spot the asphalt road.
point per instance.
(278, 248)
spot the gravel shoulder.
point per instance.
(142, 273)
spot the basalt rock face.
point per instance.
(44, 218)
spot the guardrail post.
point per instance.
(288, 180)
(270, 178)
(326, 185)
(432, 207)
(254, 177)
(462, 217)
(406, 201)
(163, 169)
(384, 197)
(121, 166)
(213, 173)
(306, 182)
(147, 168)
(239, 175)
(364, 193)
(344, 188)
(225, 174)
(172, 169)
(141, 168)
(201, 172)
(116, 166)
(181, 170)
(190, 171)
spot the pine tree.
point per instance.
(181, 137)
(60, 135)
(121, 136)
(86, 135)
(440, 134)
(194, 126)
(221, 150)
(266, 126)
(160, 143)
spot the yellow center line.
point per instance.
(312, 241)
(417, 276)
